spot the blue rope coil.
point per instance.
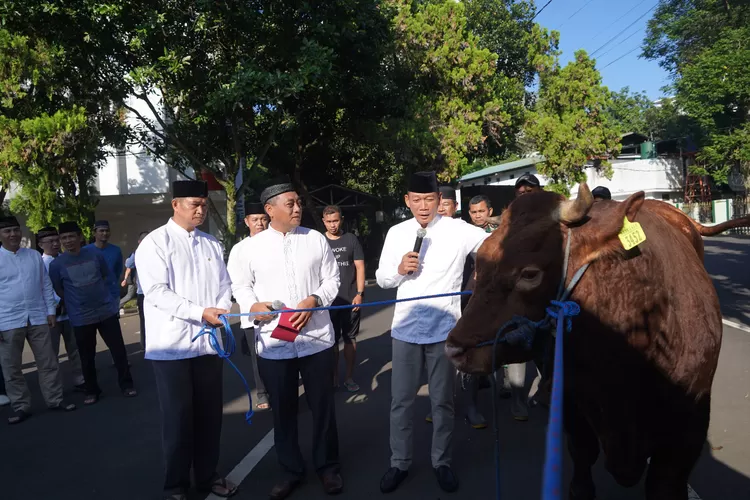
(225, 353)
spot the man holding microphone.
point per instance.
(434, 264)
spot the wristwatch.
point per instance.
(318, 301)
(361, 294)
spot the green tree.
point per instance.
(570, 125)
(705, 46)
(523, 48)
(629, 111)
(453, 107)
(49, 147)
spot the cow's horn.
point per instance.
(571, 211)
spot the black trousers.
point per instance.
(111, 333)
(191, 402)
(282, 382)
(139, 299)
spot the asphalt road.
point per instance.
(112, 450)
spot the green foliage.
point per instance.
(570, 125)
(628, 111)
(359, 92)
(705, 44)
(452, 95)
(523, 48)
(51, 155)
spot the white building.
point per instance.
(659, 178)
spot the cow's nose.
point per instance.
(453, 351)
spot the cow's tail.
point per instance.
(720, 228)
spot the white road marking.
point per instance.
(692, 495)
(247, 464)
(734, 324)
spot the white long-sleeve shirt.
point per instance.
(26, 295)
(287, 267)
(47, 259)
(238, 257)
(182, 273)
(442, 257)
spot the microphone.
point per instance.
(277, 305)
(421, 233)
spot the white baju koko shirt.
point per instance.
(287, 267)
(442, 257)
(26, 295)
(181, 273)
(237, 257)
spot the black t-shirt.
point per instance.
(347, 249)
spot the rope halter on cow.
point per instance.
(521, 332)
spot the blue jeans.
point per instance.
(2, 382)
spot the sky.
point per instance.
(590, 24)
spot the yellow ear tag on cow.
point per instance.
(631, 235)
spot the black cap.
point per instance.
(9, 221)
(529, 179)
(101, 223)
(423, 182)
(68, 227)
(448, 192)
(280, 186)
(46, 231)
(254, 208)
(601, 192)
(189, 189)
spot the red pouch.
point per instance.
(285, 331)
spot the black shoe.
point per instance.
(446, 478)
(392, 479)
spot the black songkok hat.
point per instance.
(423, 182)
(9, 221)
(601, 192)
(280, 186)
(68, 227)
(189, 189)
(529, 179)
(101, 223)
(46, 231)
(448, 193)
(254, 208)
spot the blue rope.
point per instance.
(553, 461)
(225, 353)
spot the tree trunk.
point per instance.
(230, 237)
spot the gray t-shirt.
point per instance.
(347, 249)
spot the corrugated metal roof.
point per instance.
(503, 167)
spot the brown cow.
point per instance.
(641, 357)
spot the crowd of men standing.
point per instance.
(75, 294)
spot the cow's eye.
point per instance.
(530, 273)
(529, 278)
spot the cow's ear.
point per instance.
(632, 205)
(602, 237)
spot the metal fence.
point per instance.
(740, 208)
